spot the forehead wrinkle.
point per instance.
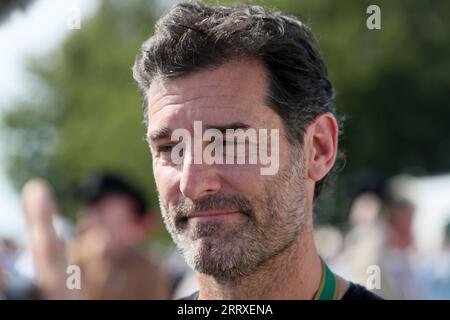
(178, 112)
(168, 91)
(171, 89)
(229, 86)
(199, 101)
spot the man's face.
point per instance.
(226, 218)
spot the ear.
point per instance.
(322, 143)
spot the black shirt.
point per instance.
(354, 292)
(358, 292)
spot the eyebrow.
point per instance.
(165, 133)
(159, 134)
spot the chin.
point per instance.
(217, 257)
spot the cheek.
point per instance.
(248, 180)
(167, 182)
(243, 179)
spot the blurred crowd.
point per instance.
(378, 250)
(109, 243)
(107, 246)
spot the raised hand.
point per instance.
(49, 252)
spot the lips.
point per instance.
(207, 214)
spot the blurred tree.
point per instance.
(85, 113)
(392, 85)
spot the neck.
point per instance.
(295, 273)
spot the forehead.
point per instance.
(234, 91)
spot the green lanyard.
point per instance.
(328, 289)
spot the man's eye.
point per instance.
(234, 142)
(165, 148)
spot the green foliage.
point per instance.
(392, 85)
(89, 117)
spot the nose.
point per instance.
(199, 180)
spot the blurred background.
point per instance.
(70, 114)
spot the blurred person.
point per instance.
(434, 270)
(114, 222)
(13, 284)
(184, 279)
(246, 235)
(4, 259)
(329, 241)
(365, 210)
(364, 240)
(186, 285)
(398, 271)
